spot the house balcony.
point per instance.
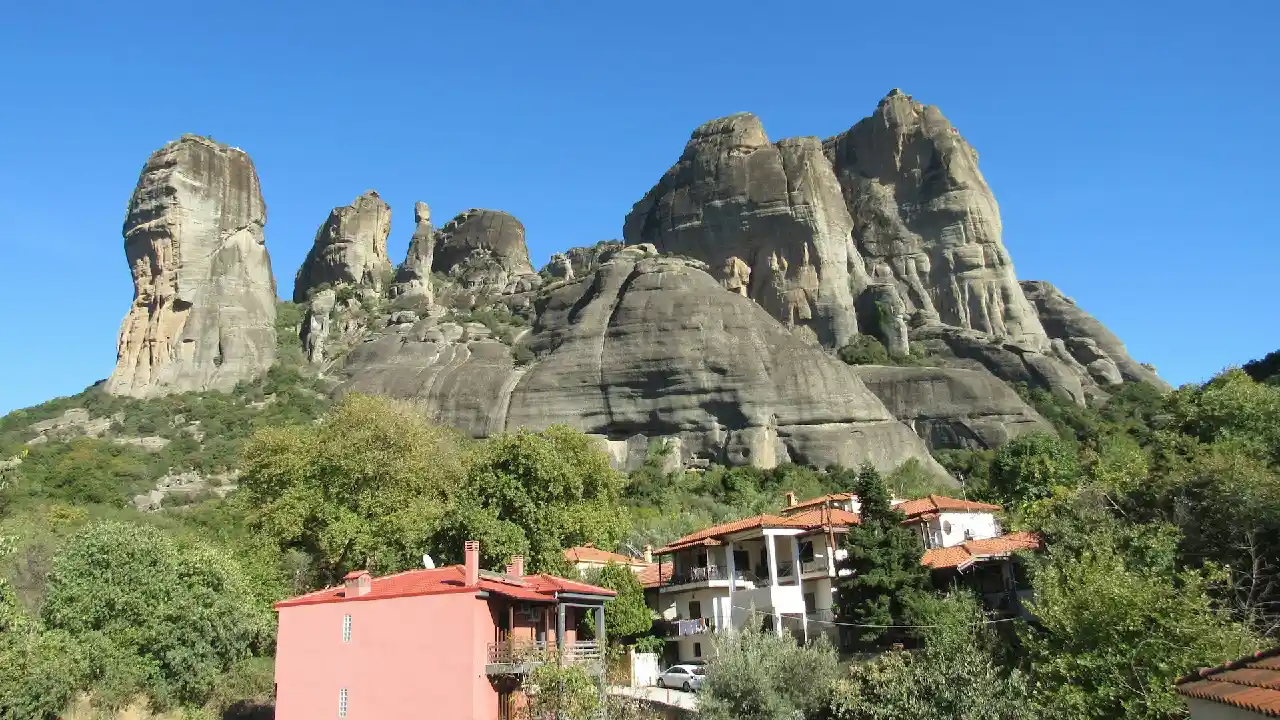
(816, 566)
(675, 629)
(518, 658)
(713, 573)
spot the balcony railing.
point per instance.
(817, 564)
(704, 574)
(519, 656)
(683, 628)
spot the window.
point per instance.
(806, 551)
(342, 702)
(697, 649)
(695, 609)
(346, 628)
(810, 602)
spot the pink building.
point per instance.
(444, 643)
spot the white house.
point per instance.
(780, 571)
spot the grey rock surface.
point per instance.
(925, 220)
(767, 217)
(350, 248)
(485, 249)
(317, 325)
(580, 261)
(950, 408)
(1086, 339)
(413, 279)
(204, 308)
(647, 347)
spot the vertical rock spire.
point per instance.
(203, 315)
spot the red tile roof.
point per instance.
(596, 555)
(715, 532)
(451, 579)
(820, 516)
(833, 497)
(973, 550)
(808, 520)
(649, 577)
(1250, 683)
(939, 503)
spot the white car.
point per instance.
(683, 677)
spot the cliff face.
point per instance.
(204, 303)
(644, 348)
(887, 229)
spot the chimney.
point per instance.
(472, 553)
(356, 583)
(791, 499)
(516, 568)
(648, 553)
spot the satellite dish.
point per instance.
(427, 562)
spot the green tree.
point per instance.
(557, 689)
(1111, 638)
(754, 675)
(172, 615)
(883, 562)
(954, 675)
(1030, 466)
(865, 350)
(626, 615)
(536, 493)
(364, 488)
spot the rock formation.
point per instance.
(768, 217)
(580, 261)
(1084, 338)
(950, 408)
(926, 222)
(350, 248)
(203, 315)
(647, 347)
(485, 249)
(414, 276)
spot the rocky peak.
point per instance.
(203, 315)
(414, 276)
(769, 217)
(484, 248)
(925, 221)
(350, 248)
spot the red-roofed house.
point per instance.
(443, 642)
(1247, 688)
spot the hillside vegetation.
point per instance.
(1161, 515)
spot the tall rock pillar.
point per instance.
(204, 309)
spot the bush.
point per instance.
(865, 350)
(752, 675)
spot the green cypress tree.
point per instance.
(884, 559)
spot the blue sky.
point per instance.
(1130, 149)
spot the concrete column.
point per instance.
(777, 623)
(733, 580)
(773, 559)
(831, 557)
(600, 627)
(795, 557)
(804, 621)
(560, 627)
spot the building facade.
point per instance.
(450, 642)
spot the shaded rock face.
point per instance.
(1088, 341)
(647, 347)
(350, 248)
(768, 217)
(413, 279)
(925, 221)
(950, 408)
(203, 315)
(484, 249)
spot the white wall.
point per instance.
(1207, 710)
(951, 527)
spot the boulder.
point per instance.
(1087, 339)
(769, 218)
(413, 279)
(350, 248)
(204, 308)
(951, 408)
(485, 250)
